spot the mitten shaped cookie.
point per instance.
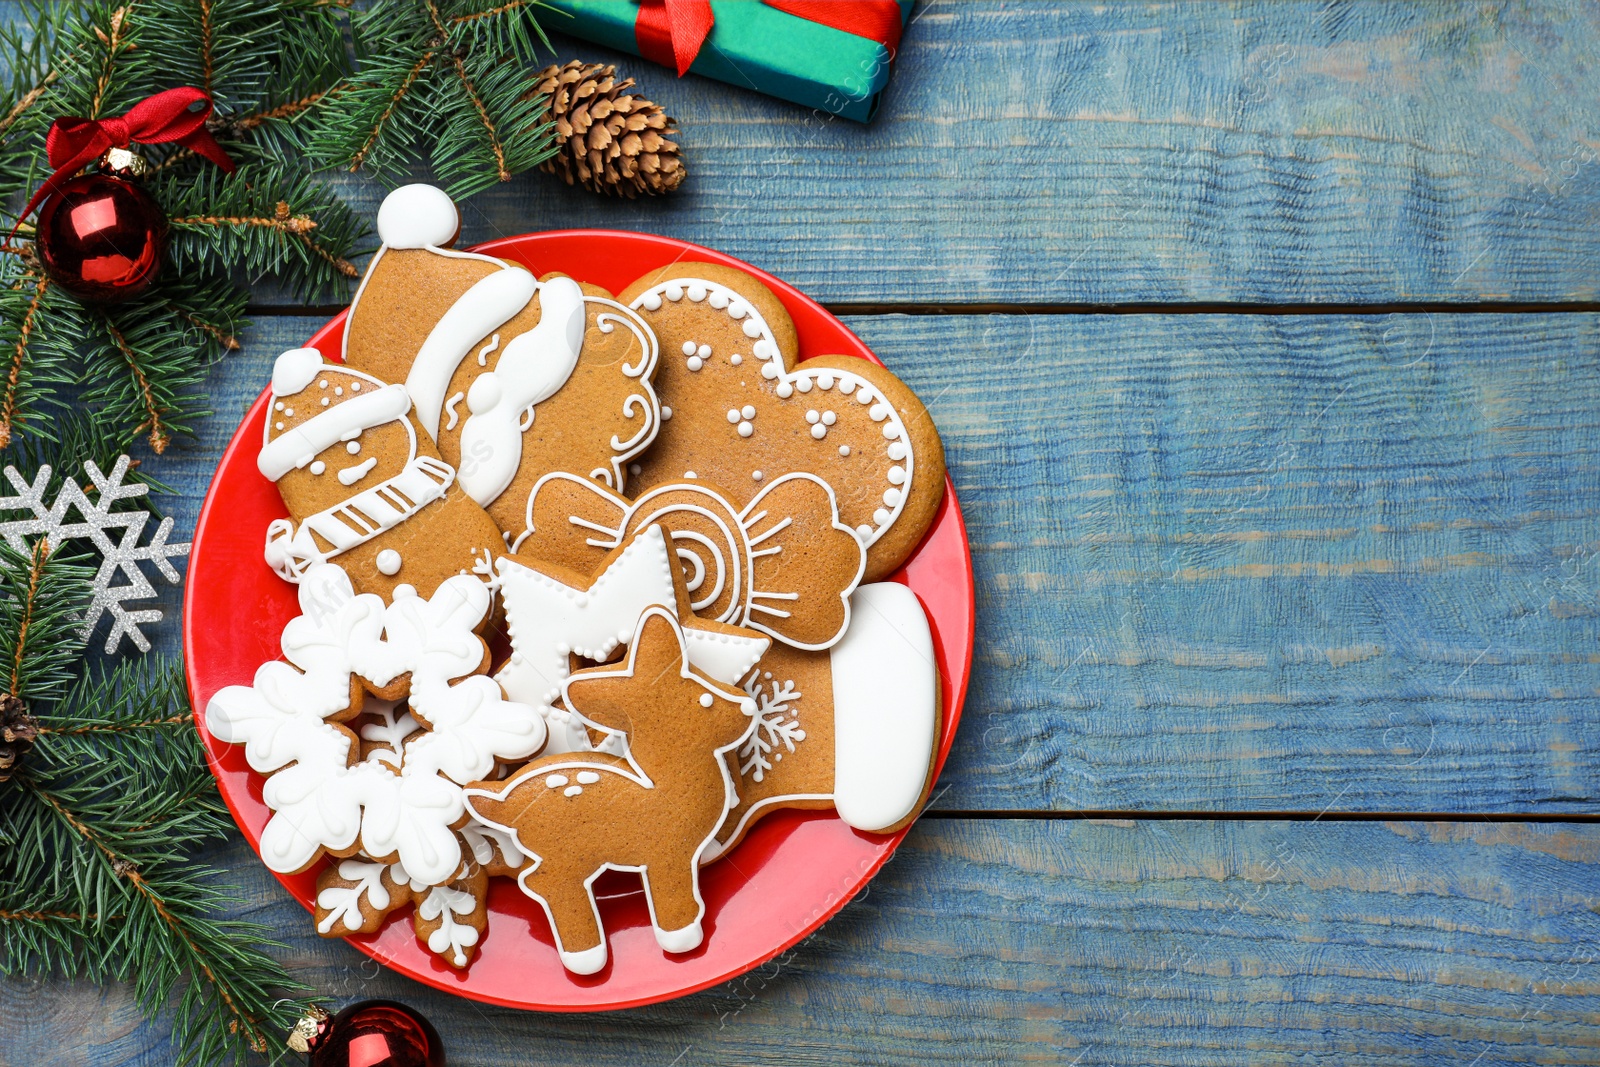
(654, 811)
(363, 486)
(743, 411)
(511, 377)
(854, 728)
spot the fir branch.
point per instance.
(11, 393)
(159, 437)
(42, 596)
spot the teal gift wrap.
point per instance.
(752, 45)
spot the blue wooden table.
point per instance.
(1263, 340)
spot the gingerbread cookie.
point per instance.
(739, 410)
(654, 811)
(324, 798)
(554, 614)
(783, 564)
(511, 377)
(854, 728)
(363, 486)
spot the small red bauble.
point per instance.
(372, 1033)
(102, 238)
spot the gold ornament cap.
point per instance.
(126, 163)
(309, 1028)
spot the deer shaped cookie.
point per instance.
(738, 410)
(654, 811)
(512, 376)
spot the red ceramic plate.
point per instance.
(790, 874)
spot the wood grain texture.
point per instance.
(986, 941)
(1085, 153)
(1245, 563)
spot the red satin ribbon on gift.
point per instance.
(671, 32)
(73, 143)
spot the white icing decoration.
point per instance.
(733, 414)
(819, 431)
(388, 562)
(483, 353)
(776, 724)
(844, 450)
(353, 447)
(417, 216)
(318, 467)
(694, 363)
(572, 791)
(318, 801)
(343, 903)
(745, 429)
(756, 475)
(706, 700)
(666, 413)
(391, 732)
(484, 841)
(688, 348)
(587, 778)
(748, 411)
(736, 359)
(294, 370)
(896, 476)
(452, 938)
(352, 475)
(555, 781)
(884, 708)
(829, 418)
(491, 301)
(299, 446)
(450, 408)
(696, 292)
(652, 302)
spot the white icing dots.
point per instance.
(704, 351)
(748, 411)
(824, 380)
(388, 562)
(697, 292)
(719, 300)
(763, 349)
(324, 401)
(289, 412)
(737, 310)
(819, 431)
(745, 429)
(355, 387)
(688, 348)
(829, 418)
(278, 406)
(769, 372)
(733, 414)
(588, 777)
(784, 389)
(847, 386)
(690, 474)
(891, 431)
(322, 384)
(695, 363)
(804, 385)
(706, 700)
(878, 412)
(318, 467)
(651, 301)
(813, 415)
(338, 390)
(897, 475)
(864, 531)
(756, 475)
(555, 781)
(880, 516)
(674, 293)
(635, 469)
(898, 451)
(666, 413)
(864, 395)
(752, 329)
(736, 359)
(353, 447)
(278, 425)
(572, 790)
(891, 497)
(844, 450)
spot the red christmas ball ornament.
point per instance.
(372, 1033)
(101, 237)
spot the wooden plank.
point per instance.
(1245, 563)
(1062, 942)
(1088, 153)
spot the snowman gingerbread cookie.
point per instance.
(511, 376)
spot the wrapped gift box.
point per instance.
(754, 44)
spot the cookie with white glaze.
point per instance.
(743, 410)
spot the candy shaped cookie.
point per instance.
(783, 563)
(743, 411)
(363, 486)
(511, 376)
(655, 810)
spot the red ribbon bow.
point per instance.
(670, 32)
(73, 143)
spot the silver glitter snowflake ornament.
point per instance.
(115, 536)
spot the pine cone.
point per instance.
(609, 140)
(18, 730)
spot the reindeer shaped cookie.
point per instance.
(654, 811)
